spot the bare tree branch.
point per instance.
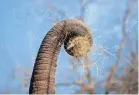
(124, 22)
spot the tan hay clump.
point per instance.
(79, 46)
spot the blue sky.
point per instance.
(24, 23)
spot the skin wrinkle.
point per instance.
(43, 76)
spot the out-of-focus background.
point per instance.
(113, 60)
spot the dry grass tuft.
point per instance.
(79, 46)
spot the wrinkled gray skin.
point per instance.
(43, 76)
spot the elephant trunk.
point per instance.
(43, 76)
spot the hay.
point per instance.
(79, 46)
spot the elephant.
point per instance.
(43, 75)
